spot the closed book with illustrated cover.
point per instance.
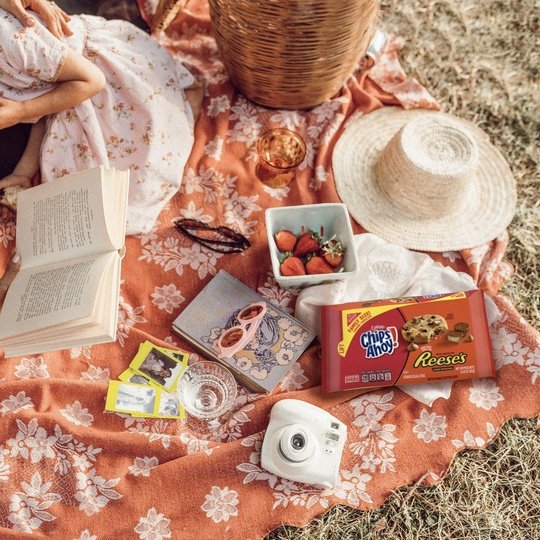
(409, 340)
(277, 344)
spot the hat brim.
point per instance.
(484, 214)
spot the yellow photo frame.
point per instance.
(142, 400)
(162, 367)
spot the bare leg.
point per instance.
(25, 170)
(28, 165)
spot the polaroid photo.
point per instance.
(132, 398)
(158, 366)
(181, 356)
(168, 406)
(128, 375)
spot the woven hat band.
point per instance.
(428, 167)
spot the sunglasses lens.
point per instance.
(249, 313)
(231, 337)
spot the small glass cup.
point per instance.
(280, 152)
(207, 390)
(390, 269)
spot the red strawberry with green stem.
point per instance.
(333, 252)
(285, 240)
(317, 265)
(292, 266)
(308, 242)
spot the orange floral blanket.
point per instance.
(69, 470)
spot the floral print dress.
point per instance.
(140, 121)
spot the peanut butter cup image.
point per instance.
(454, 337)
(461, 327)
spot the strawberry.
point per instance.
(292, 266)
(317, 265)
(285, 240)
(333, 252)
(308, 242)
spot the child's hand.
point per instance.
(15, 180)
(10, 112)
(55, 19)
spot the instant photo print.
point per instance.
(159, 366)
(142, 401)
(128, 375)
(131, 398)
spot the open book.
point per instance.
(70, 236)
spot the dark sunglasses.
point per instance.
(220, 239)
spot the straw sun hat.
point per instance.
(425, 180)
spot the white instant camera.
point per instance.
(303, 443)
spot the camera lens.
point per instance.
(298, 441)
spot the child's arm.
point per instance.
(28, 165)
(78, 80)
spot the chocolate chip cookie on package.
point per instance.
(424, 328)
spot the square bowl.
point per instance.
(334, 217)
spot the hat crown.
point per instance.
(429, 164)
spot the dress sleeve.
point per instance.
(33, 52)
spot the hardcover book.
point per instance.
(70, 236)
(276, 345)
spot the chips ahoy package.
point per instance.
(405, 341)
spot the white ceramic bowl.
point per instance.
(334, 217)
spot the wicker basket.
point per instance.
(166, 11)
(292, 54)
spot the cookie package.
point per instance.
(408, 340)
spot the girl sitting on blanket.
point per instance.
(106, 95)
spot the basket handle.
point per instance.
(166, 12)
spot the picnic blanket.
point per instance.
(69, 470)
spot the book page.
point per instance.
(53, 294)
(115, 202)
(63, 219)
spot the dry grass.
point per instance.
(481, 61)
(491, 494)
